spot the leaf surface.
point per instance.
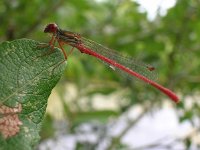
(28, 73)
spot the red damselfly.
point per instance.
(114, 59)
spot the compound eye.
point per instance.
(51, 28)
(54, 27)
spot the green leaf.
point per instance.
(27, 76)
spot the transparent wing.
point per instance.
(129, 62)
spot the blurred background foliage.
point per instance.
(170, 43)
